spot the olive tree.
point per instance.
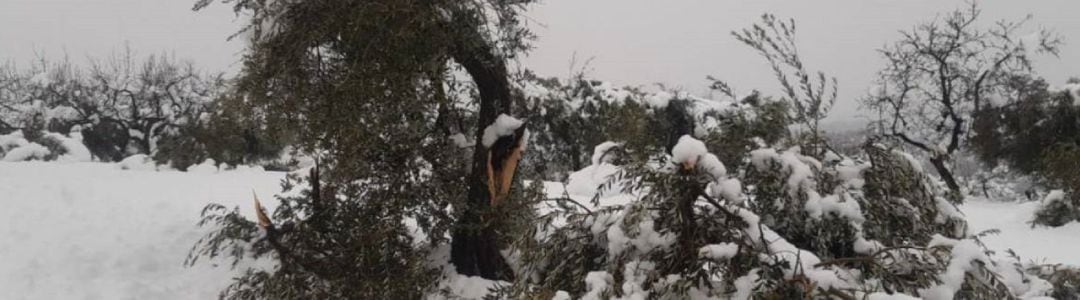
(366, 85)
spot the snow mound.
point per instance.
(137, 162)
(1053, 196)
(601, 151)
(688, 150)
(585, 183)
(503, 126)
(75, 150)
(11, 141)
(461, 141)
(27, 151)
(720, 251)
(596, 284)
(209, 166)
(1074, 91)
(14, 147)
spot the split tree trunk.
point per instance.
(474, 249)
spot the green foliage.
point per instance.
(55, 147)
(369, 89)
(1060, 164)
(811, 95)
(1059, 170)
(559, 117)
(764, 122)
(1066, 280)
(565, 254)
(1019, 132)
(571, 245)
(33, 130)
(1057, 212)
(673, 217)
(909, 207)
(901, 208)
(1036, 133)
(568, 119)
(383, 261)
(318, 69)
(230, 135)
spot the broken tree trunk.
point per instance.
(474, 248)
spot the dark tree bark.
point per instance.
(681, 122)
(937, 160)
(946, 175)
(474, 246)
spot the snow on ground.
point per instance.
(94, 231)
(1040, 244)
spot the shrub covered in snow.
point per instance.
(789, 226)
(43, 146)
(1056, 209)
(1003, 184)
(1060, 206)
(230, 133)
(1019, 132)
(1064, 279)
(1034, 134)
(568, 117)
(120, 107)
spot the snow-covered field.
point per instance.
(1040, 244)
(94, 231)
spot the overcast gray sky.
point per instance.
(633, 42)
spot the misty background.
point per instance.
(629, 42)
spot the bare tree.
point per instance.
(942, 72)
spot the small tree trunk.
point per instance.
(947, 176)
(687, 239)
(688, 190)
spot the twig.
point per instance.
(571, 201)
